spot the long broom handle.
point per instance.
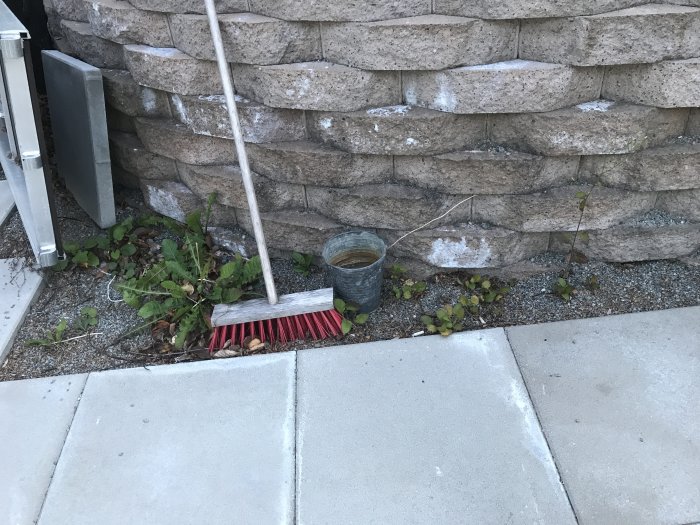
(225, 74)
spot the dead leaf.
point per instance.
(187, 288)
(226, 353)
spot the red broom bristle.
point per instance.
(317, 325)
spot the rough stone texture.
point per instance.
(120, 22)
(468, 246)
(174, 140)
(76, 10)
(189, 6)
(595, 128)
(558, 209)
(91, 49)
(324, 10)
(294, 230)
(207, 115)
(397, 130)
(318, 86)
(635, 243)
(693, 127)
(169, 69)
(673, 84)
(486, 172)
(421, 42)
(307, 162)
(125, 95)
(249, 38)
(421, 98)
(515, 86)
(643, 34)
(684, 203)
(531, 9)
(227, 183)
(384, 206)
(172, 199)
(118, 121)
(675, 167)
(129, 153)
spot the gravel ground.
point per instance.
(118, 342)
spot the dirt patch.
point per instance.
(120, 339)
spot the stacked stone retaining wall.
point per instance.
(384, 115)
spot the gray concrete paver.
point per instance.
(426, 430)
(208, 442)
(619, 400)
(35, 416)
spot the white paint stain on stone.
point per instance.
(389, 110)
(596, 105)
(165, 203)
(410, 141)
(504, 66)
(326, 123)
(149, 100)
(451, 253)
(445, 99)
(180, 109)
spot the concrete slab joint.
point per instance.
(439, 97)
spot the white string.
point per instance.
(109, 296)
(432, 221)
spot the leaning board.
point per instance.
(79, 124)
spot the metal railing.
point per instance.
(22, 153)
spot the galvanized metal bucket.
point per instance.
(355, 263)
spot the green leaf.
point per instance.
(169, 249)
(128, 250)
(486, 285)
(119, 232)
(474, 299)
(442, 314)
(174, 288)
(459, 312)
(194, 221)
(339, 305)
(361, 318)
(431, 328)
(407, 293)
(346, 326)
(116, 254)
(231, 295)
(581, 195)
(188, 323)
(426, 320)
(230, 268)
(92, 260)
(178, 270)
(151, 310)
(251, 271)
(71, 248)
(60, 329)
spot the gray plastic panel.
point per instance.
(78, 120)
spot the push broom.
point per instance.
(286, 318)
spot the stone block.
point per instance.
(397, 130)
(468, 246)
(515, 86)
(175, 141)
(292, 230)
(118, 121)
(249, 38)
(129, 153)
(125, 95)
(91, 49)
(227, 183)
(595, 128)
(325, 11)
(634, 243)
(124, 178)
(421, 42)
(75, 10)
(674, 167)
(207, 115)
(190, 6)
(171, 70)
(120, 22)
(558, 209)
(389, 206)
(683, 203)
(172, 199)
(642, 34)
(486, 172)
(306, 162)
(532, 9)
(318, 86)
(672, 84)
(693, 126)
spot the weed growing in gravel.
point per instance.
(483, 293)
(87, 319)
(85, 322)
(404, 288)
(350, 315)
(564, 289)
(53, 337)
(303, 262)
(447, 320)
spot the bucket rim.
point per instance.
(378, 262)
